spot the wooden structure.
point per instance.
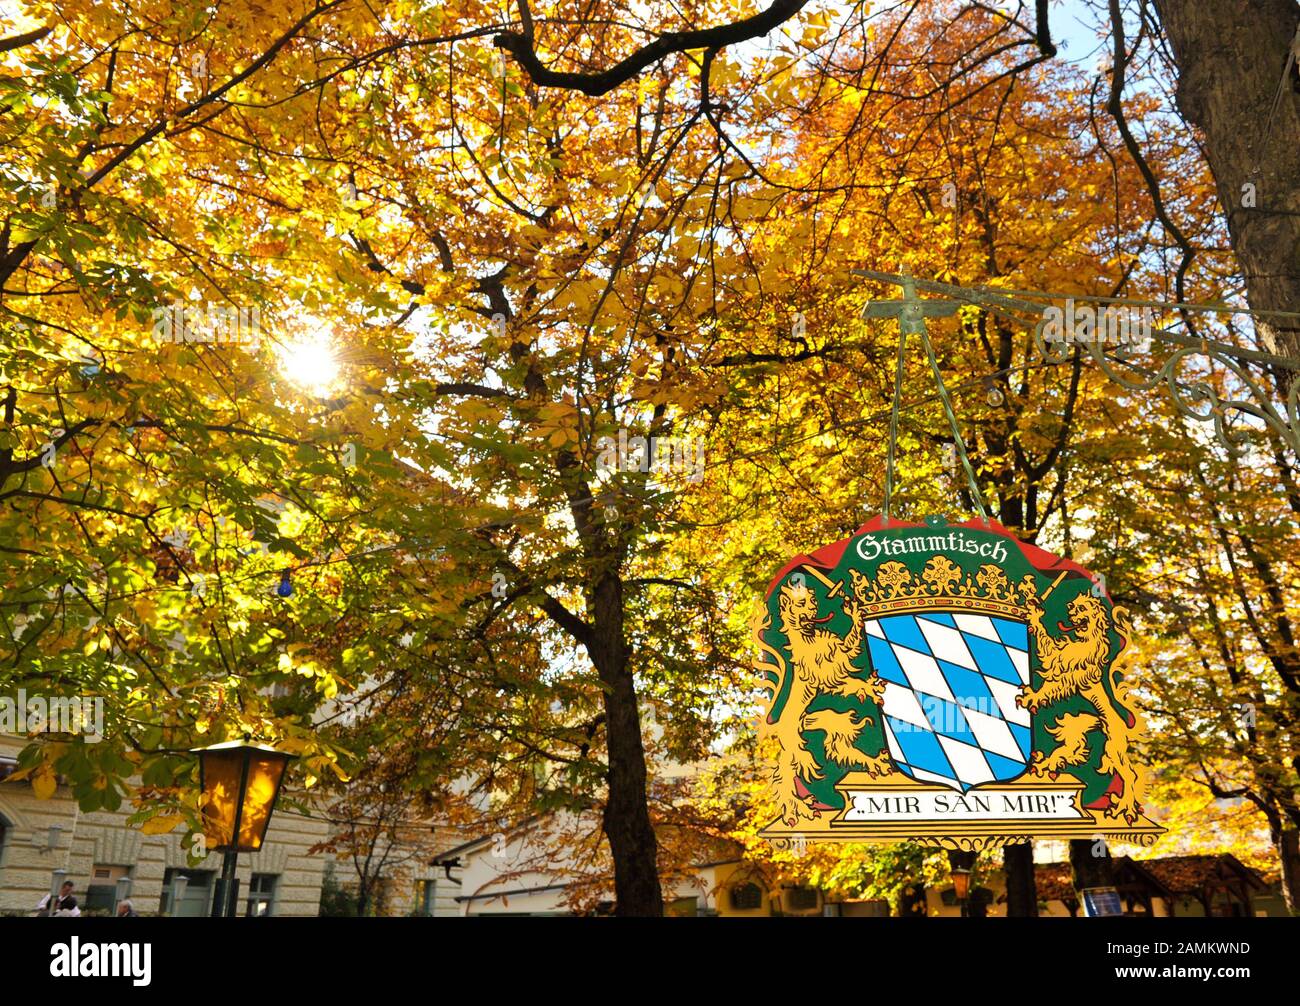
(1218, 884)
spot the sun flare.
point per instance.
(311, 363)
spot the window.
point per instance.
(261, 895)
(802, 899)
(186, 893)
(746, 897)
(101, 895)
(7, 767)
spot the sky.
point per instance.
(1075, 33)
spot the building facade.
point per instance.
(530, 870)
(43, 842)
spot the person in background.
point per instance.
(126, 910)
(65, 904)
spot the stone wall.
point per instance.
(83, 841)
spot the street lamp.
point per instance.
(960, 866)
(240, 783)
(56, 885)
(961, 883)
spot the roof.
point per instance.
(1167, 875)
(456, 850)
(1193, 874)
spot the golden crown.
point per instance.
(941, 585)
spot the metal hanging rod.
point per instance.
(1197, 400)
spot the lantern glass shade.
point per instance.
(961, 883)
(240, 783)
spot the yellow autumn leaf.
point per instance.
(162, 825)
(44, 782)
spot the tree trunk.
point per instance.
(1018, 860)
(1022, 888)
(1230, 55)
(626, 822)
(627, 819)
(1090, 864)
(1287, 841)
(912, 901)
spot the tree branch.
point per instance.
(521, 46)
(27, 38)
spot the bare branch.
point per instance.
(521, 46)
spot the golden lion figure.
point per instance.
(1074, 666)
(822, 663)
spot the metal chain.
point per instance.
(911, 312)
(956, 431)
(893, 423)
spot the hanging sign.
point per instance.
(947, 684)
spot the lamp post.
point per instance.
(961, 886)
(240, 783)
(56, 884)
(961, 865)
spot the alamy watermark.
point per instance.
(1115, 325)
(683, 455)
(209, 323)
(60, 714)
(947, 717)
(75, 959)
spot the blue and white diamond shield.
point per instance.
(951, 680)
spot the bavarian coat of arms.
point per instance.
(947, 684)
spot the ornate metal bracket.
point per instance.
(1196, 399)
